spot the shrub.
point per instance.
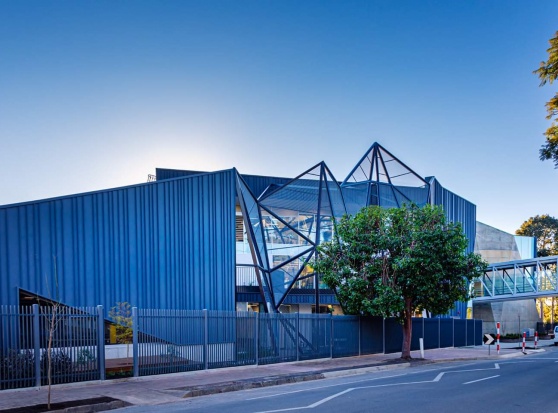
(18, 365)
(85, 356)
(61, 362)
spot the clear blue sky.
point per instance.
(96, 94)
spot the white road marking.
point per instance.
(329, 398)
(326, 399)
(324, 387)
(438, 377)
(486, 378)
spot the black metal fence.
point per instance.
(169, 341)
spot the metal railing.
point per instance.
(519, 279)
(169, 341)
(76, 337)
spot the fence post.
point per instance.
(359, 334)
(423, 338)
(331, 334)
(101, 341)
(257, 338)
(37, 345)
(453, 332)
(135, 346)
(297, 337)
(474, 333)
(439, 332)
(466, 328)
(205, 340)
(384, 335)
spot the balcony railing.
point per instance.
(246, 277)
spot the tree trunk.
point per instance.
(49, 353)
(407, 330)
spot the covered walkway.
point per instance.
(520, 279)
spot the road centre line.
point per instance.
(329, 398)
(496, 367)
(326, 399)
(486, 378)
(324, 387)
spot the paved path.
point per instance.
(161, 389)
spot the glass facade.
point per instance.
(287, 222)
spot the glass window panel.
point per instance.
(387, 197)
(283, 277)
(356, 197)
(255, 223)
(337, 203)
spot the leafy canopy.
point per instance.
(121, 314)
(548, 72)
(545, 229)
(391, 262)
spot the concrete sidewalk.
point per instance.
(153, 390)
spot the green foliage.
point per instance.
(545, 229)
(512, 336)
(17, 365)
(122, 373)
(391, 262)
(60, 362)
(121, 314)
(548, 72)
(385, 255)
(85, 357)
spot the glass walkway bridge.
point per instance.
(515, 280)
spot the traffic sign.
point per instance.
(488, 339)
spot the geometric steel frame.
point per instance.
(379, 168)
(520, 279)
(379, 178)
(318, 196)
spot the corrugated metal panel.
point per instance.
(457, 209)
(161, 173)
(167, 244)
(256, 183)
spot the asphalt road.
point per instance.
(526, 384)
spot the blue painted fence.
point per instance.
(170, 341)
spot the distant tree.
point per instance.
(121, 314)
(545, 228)
(393, 262)
(548, 72)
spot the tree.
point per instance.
(121, 314)
(545, 229)
(548, 72)
(393, 262)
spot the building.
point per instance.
(497, 246)
(194, 240)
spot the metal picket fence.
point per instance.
(76, 338)
(169, 341)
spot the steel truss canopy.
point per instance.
(515, 280)
(286, 223)
(379, 178)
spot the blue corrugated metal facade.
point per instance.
(162, 173)
(457, 209)
(166, 244)
(256, 183)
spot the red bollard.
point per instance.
(536, 339)
(523, 344)
(498, 337)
